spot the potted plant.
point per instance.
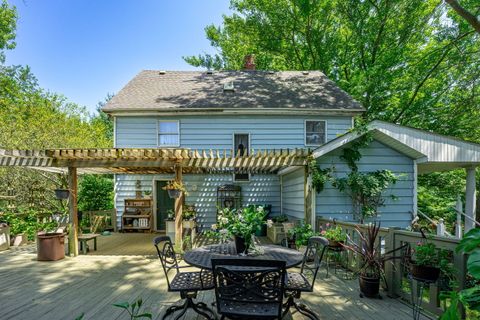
(147, 194)
(188, 217)
(170, 224)
(175, 188)
(371, 261)
(425, 263)
(241, 224)
(300, 235)
(336, 237)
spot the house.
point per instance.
(256, 110)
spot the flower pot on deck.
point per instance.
(369, 287)
(424, 273)
(50, 246)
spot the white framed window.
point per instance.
(168, 133)
(241, 147)
(315, 132)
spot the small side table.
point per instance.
(83, 241)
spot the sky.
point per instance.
(85, 49)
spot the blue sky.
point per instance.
(86, 49)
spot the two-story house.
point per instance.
(250, 110)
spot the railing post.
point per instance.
(441, 228)
(458, 226)
(392, 266)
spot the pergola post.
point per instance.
(470, 199)
(178, 208)
(308, 197)
(73, 212)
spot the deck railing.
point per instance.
(398, 282)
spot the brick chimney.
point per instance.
(249, 62)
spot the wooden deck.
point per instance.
(91, 283)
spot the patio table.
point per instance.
(202, 257)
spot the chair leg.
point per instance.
(199, 308)
(300, 307)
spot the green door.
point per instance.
(164, 203)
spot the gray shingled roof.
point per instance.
(151, 91)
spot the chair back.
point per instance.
(167, 256)
(313, 258)
(247, 286)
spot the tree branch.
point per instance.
(465, 14)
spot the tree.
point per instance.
(8, 25)
(102, 119)
(464, 13)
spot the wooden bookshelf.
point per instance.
(137, 215)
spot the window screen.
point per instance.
(241, 147)
(315, 134)
(168, 134)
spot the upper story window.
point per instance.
(241, 146)
(315, 132)
(168, 133)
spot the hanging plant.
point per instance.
(319, 176)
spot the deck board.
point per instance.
(92, 283)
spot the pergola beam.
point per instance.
(73, 212)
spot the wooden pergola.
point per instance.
(148, 161)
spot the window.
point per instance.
(315, 132)
(168, 133)
(241, 147)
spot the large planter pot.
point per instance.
(19, 240)
(174, 193)
(240, 245)
(170, 229)
(369, 287)
(424, 273)
(50, 246)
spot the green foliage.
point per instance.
(301, 234)
(26, 221)
(189, 212)
(352, 154)
(8, 25)
(333, 233)
(366, 190)
(426, 254)
(280, 218)
(470, 244)
(134, 309)
(95, 193)
(319, 176)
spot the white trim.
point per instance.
(158, 133)
(115, 132)
(281, 194)
(248, 152)
(154, 202)
(305, 132)
(353, 123)
(211, 111)
(288, 170)
(415, 189)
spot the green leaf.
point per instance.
(123, 305)
(473, 264)
(471, 297)
(470, 241)
(143, 315)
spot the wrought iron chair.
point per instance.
(249, 288)
(303, 281)
(187, 283)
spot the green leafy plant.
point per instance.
(333, 233)
(319, 176)
(95, 192)
(366, 190)
(280, 218)
(243, 222)
(426, 254)
(170, 214)
(189, 213)
(25, 220)
(134, 309)
(301, 234)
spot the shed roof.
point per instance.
(433, 152)
(153, 90)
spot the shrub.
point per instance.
(95, 193)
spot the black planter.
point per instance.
(62, 194)
(369, 287)
(335, 245)
(424, 273)
(174, 193)
(240, 245)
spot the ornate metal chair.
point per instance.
(187, 283)
(249, 288)
(303, 281)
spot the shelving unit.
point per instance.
(137, 215)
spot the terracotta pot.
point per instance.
(369, 287)
(240, 245)
(174, 193)
(424, 273)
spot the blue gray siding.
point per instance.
(206, 132)
(293, 191)
(332, 203)
(202, 192)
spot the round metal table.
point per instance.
(201, 257)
